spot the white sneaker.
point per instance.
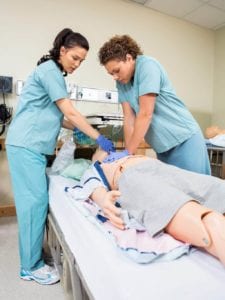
(43, 275)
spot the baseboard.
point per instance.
(7, 211)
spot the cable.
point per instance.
(5, 114)
(3, 130)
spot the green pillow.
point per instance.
(76, 169)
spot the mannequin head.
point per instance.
(213, 131)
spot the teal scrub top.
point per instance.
(172, 123)
(38, 120)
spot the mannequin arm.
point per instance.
(106, 201)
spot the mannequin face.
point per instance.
(121, 70)
(71, 58)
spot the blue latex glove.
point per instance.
(105, 144)
(115, 156)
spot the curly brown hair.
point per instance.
(117, 48)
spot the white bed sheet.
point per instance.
(111, 275)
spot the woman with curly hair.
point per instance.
(151, 108)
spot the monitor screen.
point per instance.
(6, 84)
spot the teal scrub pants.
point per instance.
(30, 188)
(191, 155)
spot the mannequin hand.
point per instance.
(105, 144)
(110, 210)
(115, 156)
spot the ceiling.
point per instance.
(206, 13)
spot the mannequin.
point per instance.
(192, 223)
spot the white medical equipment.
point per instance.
(108, 124)
(91, 94)
(114, 119)
(97, 95)
(111, 125)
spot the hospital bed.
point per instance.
(92, 267)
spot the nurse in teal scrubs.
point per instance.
(151, 108)
(32, 135)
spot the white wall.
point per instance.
(219, 83)
(28, 27)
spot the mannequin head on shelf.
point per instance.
(213, 131)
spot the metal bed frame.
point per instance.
(217, 160)
(71, 277)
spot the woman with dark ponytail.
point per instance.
(33, 134)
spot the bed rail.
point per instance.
(217, 161)
(72, 280)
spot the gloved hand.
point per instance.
(115, 156)
(105, 144)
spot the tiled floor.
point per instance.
(11, 286)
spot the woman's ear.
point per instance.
(129, 57)
(62, 50)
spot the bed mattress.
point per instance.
(111, 275)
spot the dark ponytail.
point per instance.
(67, 38)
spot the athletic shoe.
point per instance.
(43, 275)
